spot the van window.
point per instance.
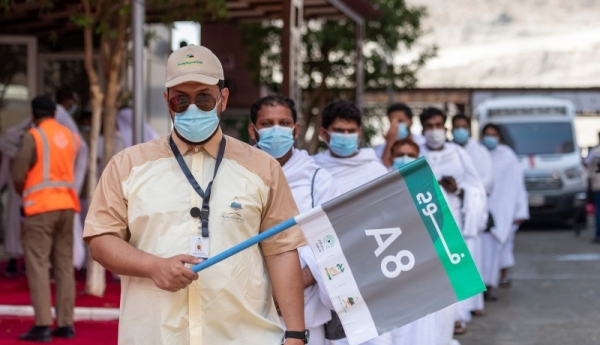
(534, 138)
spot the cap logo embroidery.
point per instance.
(189, 61)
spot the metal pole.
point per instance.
(244, 245)
(138, 19)
(360, 64)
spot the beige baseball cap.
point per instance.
(193, 63)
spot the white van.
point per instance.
(541, 130)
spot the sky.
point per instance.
(185, 31)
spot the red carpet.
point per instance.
(14, 291)
(87, 332)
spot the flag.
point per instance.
(390, 252)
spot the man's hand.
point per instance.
(293, 341)
(171, 274)
(449, 184)
(390, 138)
(518, 222)
(392, 135)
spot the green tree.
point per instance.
(106, 28)
(329, 57)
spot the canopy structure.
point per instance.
(50, 21)
(40, 19)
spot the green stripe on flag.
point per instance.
(436, 215)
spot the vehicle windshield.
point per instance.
(535, 138)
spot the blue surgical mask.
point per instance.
(342, 144)
(461, 135)
(276, 140)
(402, 131)
(196, 125)
(402, 161)
(490, 142)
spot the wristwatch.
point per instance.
(303, 335)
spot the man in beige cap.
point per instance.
(182, 198)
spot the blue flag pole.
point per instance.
(244, 245)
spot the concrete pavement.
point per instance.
(555, 296)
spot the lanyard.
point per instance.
(195, 212)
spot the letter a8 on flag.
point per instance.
(394, 252)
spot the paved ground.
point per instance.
(555, 297)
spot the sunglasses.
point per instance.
(203, 101)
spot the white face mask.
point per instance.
(435, 138)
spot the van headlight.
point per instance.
(574, 172)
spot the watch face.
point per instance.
(306, 336)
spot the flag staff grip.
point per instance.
(245, 244)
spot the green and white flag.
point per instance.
(390, 252)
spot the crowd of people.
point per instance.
(180, 198)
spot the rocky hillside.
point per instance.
(512, 43)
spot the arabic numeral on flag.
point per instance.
(382, 245)
(399, 267)
(424, 198)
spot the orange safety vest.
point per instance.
(49, 184)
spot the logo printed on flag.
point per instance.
(327, 243)
(391, 241)
(334, 271)
(396, 240)
(347, 302)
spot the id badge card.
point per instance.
(199, 246)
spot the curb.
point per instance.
(79, 313)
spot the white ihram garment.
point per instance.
(125, 126)
(451, 160)
(482, 160)
(81, 165)
(508, 202)
(350, 173)
(9, 145)
(300, 171)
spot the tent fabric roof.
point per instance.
(36, 18)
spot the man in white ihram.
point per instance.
(461, 132)
(66, 106)
(350, 166)
(274, 128)
(466, 198)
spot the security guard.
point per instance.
(42, 173)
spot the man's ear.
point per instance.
(224, 98)
(296, 131)
(324, 135)
(252, 132)
(166, 96)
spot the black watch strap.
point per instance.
(303, 335)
